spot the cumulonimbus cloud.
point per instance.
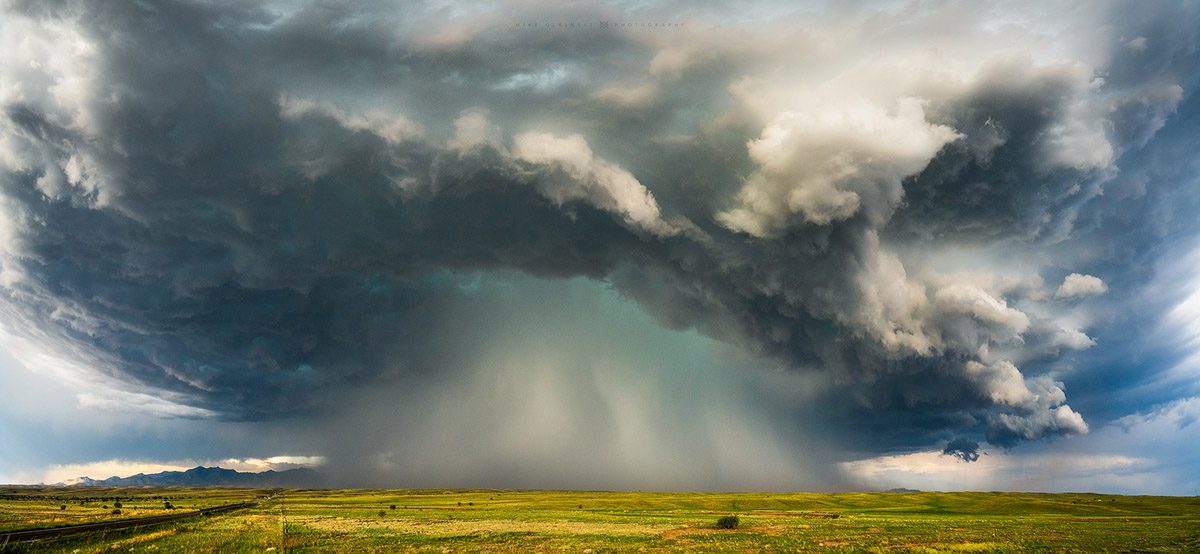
(233, 212)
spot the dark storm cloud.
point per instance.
(963, 449)
(248, 208)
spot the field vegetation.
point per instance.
(556, 521)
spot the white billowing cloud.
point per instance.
(975, 302)
(1080, 285)
(831, 159)
(473, 129)
(1002, 380)
(1040, 404)
(1079, 138)
(51, 69)
(596, 180)
(1044, 413)
(1075, 340)
(890, 305)
(945, 268)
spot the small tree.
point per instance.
(728, 522)
(116, 511)
(63, 507)
(392, 507)
(117, 504)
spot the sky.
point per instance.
(631, 245)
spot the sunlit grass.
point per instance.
(522, 521)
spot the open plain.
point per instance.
(562, 521)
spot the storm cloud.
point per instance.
(250, 213)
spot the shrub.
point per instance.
(116, 511)
(168, 505)
(382, 513)
(63, 507)
(728, 522)
(392, 507)
(117, 504)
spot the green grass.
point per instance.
(37, 507)
(554, 521)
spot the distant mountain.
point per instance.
(209, 477)
(901, 489)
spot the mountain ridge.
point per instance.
(201, 476)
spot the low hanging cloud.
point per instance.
(964, 449)
(242, 209)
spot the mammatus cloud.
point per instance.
(243, 210)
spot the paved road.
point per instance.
(55, 532)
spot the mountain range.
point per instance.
(200, 476)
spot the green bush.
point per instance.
(728, 522)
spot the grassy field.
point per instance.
(551, 521)
(37, 507)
